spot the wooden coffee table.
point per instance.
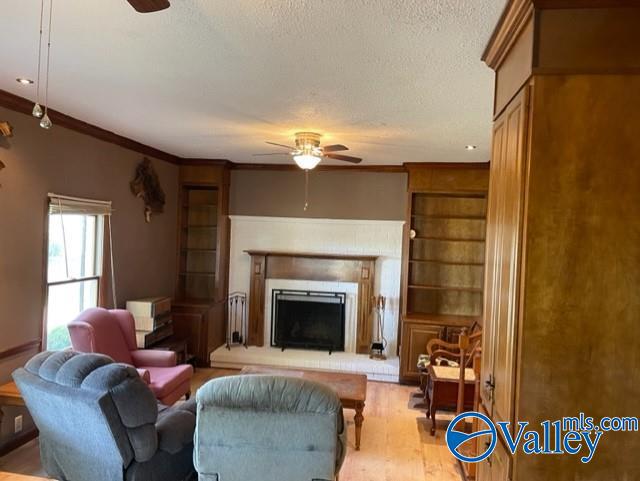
(350, 388)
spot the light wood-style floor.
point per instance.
(396, 444)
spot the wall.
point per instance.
(69, 163)
(332, 194)
(333, 236)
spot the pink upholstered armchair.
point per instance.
(112, 332)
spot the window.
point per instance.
(74, 266)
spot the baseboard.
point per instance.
(18, 441)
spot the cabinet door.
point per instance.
(504, 236)
(505, 335)
(415, 337)
(496, 467)
(492, 259)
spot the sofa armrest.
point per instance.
(175, 428)
(153, 358)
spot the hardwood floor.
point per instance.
(396, 444)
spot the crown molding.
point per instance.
(512, 21)
(24, 106)
(293, 167)
(518, 12)
(567, 4)
(446, 165)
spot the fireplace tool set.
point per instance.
(237, 320)
(379, 343)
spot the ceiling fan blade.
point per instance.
(346, 158)
(148, 6)
(334, 148)
(281, 145)
(272, 153)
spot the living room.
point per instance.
(312, 236)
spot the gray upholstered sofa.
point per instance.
(99, 421)
(269, 429)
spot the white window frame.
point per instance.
(101, 210)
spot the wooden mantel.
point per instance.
(311, 267)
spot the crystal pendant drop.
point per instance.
(37, 111)
(46, 123)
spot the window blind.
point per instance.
(65, 205)
(61, 204)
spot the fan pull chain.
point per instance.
(306, 189)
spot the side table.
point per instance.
(9, 396)
(442, 390)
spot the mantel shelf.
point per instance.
(311, 255)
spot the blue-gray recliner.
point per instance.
(268, 428)
(99, 421)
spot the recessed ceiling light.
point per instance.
(471, 147)
(24, 81)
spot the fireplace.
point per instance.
(308, 320)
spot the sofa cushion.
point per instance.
(165, 380)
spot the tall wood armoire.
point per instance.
(562, 287)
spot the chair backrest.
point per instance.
(270, 428)
(437, 349)
(109, 332)
(95, 417)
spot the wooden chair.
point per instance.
(448, 391)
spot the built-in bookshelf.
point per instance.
(446, 255)
(198, 242)
(443, 256)
(202, 273)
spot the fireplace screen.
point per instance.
(308, 320)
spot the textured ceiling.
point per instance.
(395, 80)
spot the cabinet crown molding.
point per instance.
(517, 13)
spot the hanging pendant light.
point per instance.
(37, 110)
(46, 123)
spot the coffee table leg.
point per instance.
(358, 419)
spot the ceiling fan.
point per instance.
(148, 6)
(307, 153)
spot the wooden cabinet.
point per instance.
(504, 235)
(562, 252)
(415, 336)
(199, 308)
(443, 256)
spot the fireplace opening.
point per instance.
(308, 320)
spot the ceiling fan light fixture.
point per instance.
(306, 161)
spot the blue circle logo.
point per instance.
(456, 440)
